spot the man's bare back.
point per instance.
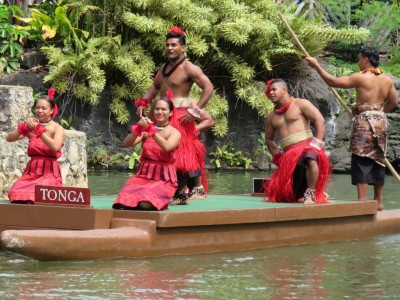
(370, 88)
(373, 89)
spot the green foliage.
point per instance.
(56, 29)
(341, 68)
(10, 49)
(83, 75)
(393, 66)
(66, 123)
(261, 147)
(241, 40)
(230, 157)
(98, 155)
(381, 18)
(134, 157)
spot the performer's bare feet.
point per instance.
(198, 193)
(380, 206)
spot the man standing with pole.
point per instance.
(375, 96)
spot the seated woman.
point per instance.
(155, 182)
(46, 139)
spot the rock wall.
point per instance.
(16, 106)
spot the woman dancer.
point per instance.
(155, 182)
(46, 139)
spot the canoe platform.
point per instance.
(218, 223)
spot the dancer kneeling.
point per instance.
(46, 138)
(155, 182)
(303, 168)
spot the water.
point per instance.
(366, 269)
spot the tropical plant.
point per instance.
(228, 155)
(56, 29)
(66, 123)
(241, 41)
(10, 49)
(261, 146)
(341, 68)
(134, 157)
(382, 18)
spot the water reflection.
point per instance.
(366, 269)
(346, 270)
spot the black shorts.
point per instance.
(187, 178)
(366, 170)
(299, 174)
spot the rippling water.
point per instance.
(347, 270)
(366, 269)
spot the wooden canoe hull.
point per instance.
(41, 232)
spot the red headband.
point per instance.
(51, 93)
(177, 30)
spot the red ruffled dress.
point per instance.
(42, 169)
(191, 152)
(155, 181)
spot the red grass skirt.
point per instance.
(279, 187)
(190, 154)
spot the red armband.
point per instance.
(38, 130)
(142, 102)
(137, 129)
(23, 129)
(150, 130)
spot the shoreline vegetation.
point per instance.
(101, 57)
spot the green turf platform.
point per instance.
(213, 202)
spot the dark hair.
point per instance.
(48, 99)
(169, 102)
(174, 35)
(280, 81)
(372, 54)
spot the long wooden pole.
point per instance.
(333, 90)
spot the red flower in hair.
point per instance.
(177, 30)
(51, 93)
(268, 89)
(170, 95)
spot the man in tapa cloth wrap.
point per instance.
(303, 168)
(178, 76)
(375, 96)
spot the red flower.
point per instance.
(268, 89)
(177, 30)
(51, 92)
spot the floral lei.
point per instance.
(284, 108)
(376, 71)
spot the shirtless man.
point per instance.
(375, 96)
(303, 168)
(178, 76)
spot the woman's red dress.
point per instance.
(155, 181)
(42, 169)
